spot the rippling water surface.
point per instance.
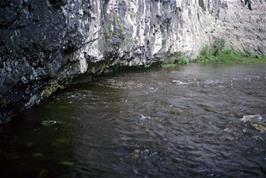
(191, 121)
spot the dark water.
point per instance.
(184, 122)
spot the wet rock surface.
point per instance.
(45, 43)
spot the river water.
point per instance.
(189, 121)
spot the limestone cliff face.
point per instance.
(45, 43)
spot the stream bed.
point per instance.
(188, 121)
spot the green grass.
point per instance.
(229, 56)
(178, 59)
(182, 60)
(218, 53)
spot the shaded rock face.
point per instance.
(45, 43)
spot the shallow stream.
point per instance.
(189, 121)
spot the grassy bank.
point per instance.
(218, 53)
(223, 55)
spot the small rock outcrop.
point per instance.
(45, 43)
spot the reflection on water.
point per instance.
(192, 121)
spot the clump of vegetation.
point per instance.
(178, 59)
(219, 53)
(50, 88)
(182, 60)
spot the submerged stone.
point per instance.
(48, 123)
(66, 163)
